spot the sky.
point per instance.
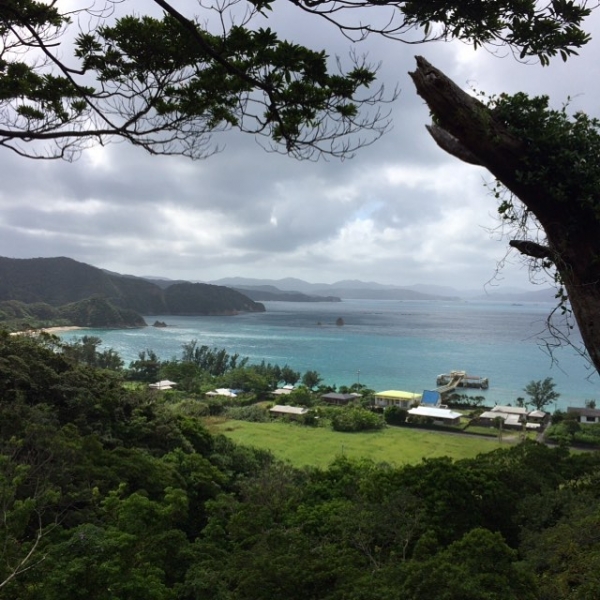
(400, 212)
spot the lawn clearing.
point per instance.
(319, 446)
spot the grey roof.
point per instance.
(338, 396)
(584, 411)
(493, 414)
(537, 414)
(513, 420)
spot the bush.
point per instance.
(253, 414)
(310, 419)
(394, 415)
(191, 408)
(587, 439)
(356, 419)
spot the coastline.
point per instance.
(51, 330)
(63, 328)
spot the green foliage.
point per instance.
(170, 95)
(560, 147)
(465, 400)
(541, 393)
(355, 419)
(541, 31)
(253, 414)
(570, 431)
(289, 376)
(99, 312)
(394, 415)
(301, 396)
(113, 493)
(564, 554)
(146, 368)
(85, 350)
(478, 566)
(311, 379)
(212, 360)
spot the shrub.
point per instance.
(356, 419)
(254, 414)
(394, 415)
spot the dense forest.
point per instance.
(45, 292)
(110, 491)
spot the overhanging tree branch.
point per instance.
(169, 84)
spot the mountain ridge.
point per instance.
(377, 291)
(60, 282)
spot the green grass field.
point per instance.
(319, 446)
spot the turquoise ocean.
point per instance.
(384, 344)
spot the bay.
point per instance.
(383, 344)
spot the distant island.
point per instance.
(46, 292)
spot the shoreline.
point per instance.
(50, 330)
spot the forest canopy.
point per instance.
(110, 492)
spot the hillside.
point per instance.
(64, 289)
(206, 299)
(59, 281)
(91, 312)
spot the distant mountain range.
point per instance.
(354, 289)
(62, 289)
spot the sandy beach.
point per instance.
(48, 330)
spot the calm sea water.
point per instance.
(383, 344)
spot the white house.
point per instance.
(440, 416)
(584, 414)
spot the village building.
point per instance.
(284, 391)
(339, 399)
(585, 414)
(396, 398)
(440, 416)
(513, 417)
(293, 412)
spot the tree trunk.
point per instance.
(469, 130)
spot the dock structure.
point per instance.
(450, 381)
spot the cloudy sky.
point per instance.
(401, 212)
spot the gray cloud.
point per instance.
(400, 212)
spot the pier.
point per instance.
(455, 379)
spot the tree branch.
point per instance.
(446, 141)
(532, 249)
